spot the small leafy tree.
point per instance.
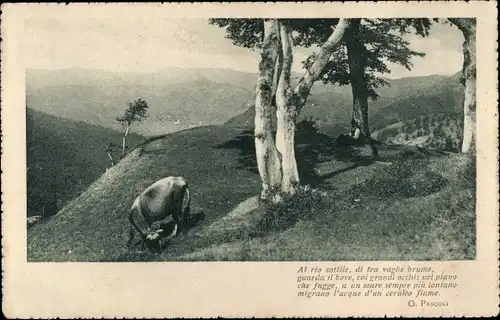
(136, 112)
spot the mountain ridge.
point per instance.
(181, 98)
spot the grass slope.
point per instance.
(63, 158)
(422, 207)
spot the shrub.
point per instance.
(408, 178)
(308, 125)
(284, 215)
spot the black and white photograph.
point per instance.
(245, 139)
(238, 160)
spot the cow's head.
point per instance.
(153, 241)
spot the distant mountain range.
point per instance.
(182, 98)
(405, 98)
(99, 97)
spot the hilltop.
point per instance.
(423, 208)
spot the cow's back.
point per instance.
(162, 198)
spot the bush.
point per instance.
(308, 125)
(407, 178)
(284, 215)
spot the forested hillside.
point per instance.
(438, 131)
(403, 99)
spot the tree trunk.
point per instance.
(286, 117)
(266, 153)
(124, 141)
(356, 61)
(468, 28)
(110, 156)
(290, 102)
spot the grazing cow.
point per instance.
(165, 200)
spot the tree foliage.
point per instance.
(136, 112)
(383, 39)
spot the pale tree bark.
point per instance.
(265, 149)
(468, 28)
(124, 140)
(276, 77)
(276, 163)
(290, 101)
(110, 156)
(286, 116)
(277, 72)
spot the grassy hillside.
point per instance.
(444, 99)
(421, 208)
(64, 158)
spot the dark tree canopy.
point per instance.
(383, 40)
(136, 111)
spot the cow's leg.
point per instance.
(178, 224)
(185, 212)
(173, 234)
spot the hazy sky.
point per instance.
(152, 44)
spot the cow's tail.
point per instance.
(186, 203)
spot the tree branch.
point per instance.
(466, 25)
(313, 73)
